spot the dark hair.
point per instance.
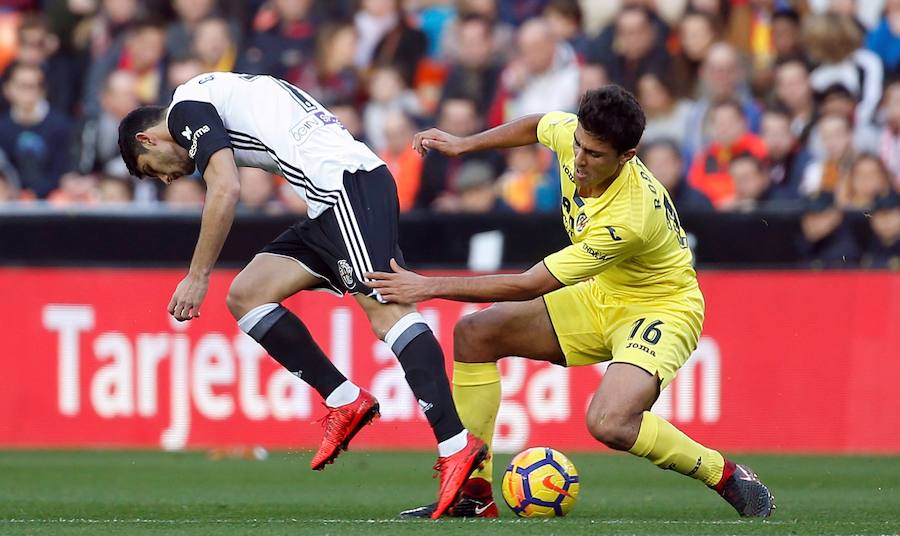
(137, 120)
(728, 102)
(788, 14)
(569, 9)
(757, 163)
(612, 114)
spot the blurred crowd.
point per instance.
(750, 104)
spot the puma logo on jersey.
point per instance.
(186, 133)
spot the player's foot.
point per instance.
(475, 500)
(455, 469)
(341, 424)
(743, 490)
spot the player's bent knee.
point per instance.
(616, 431)
(239, 299)
(471, 340)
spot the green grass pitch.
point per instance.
(136, 492)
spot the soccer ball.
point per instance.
(540, 482)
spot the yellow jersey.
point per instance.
(629, 239)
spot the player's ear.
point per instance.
(145, 139)
(627, 155)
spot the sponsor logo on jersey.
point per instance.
(641, 347)
(192, 152)
(581, 222)
(302, 131)
(186, 133)
(595, 254)
(346, 273)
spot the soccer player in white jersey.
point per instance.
(218, 122)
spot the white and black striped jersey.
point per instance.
(272, 125)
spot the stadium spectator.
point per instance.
(458, 117)
(835, 41)
(869, 179)
(884, 40)
(332, 77)
(667, 115)
(542, 77)
(9, 190)
(187, 193)
(180, 32)
(388, 92)
(402, 160)
(214, 45)
(281, 41)
(787, 41)
(663, 158)
(721, 77)
(103, 32)
(636, 49)
(794, 92)
(883, 248)
(38, 46)
(826, 240)
(565, 20)
(826, 173)
(591, 76)
(752, 185)
(33, 135)
(889, 139)
(180, 70)
(387, 39)
(474, 192)
(95, 145)
(75, 189)
(526, 186)
(697, 32)
(143, 53)
(709, 171)
(787, 159)
(115, 190)
(473, 73)
(258, 192)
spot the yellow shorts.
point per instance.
(593, 327)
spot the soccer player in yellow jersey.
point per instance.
(624, 291)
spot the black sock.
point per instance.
(423, 362)
(286, 339)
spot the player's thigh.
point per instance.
(656, 338)
(507, 329)
(268, 279)
(382, 316)
(578, 319)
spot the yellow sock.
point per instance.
(669, 448)
(476, 392)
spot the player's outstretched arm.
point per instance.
(222, 191)
(404, 286)
(522, 131)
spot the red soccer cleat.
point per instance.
(455, 470)
(341, 425)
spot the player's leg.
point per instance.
(287, 266)
(649, 347)
(479, 341)
(254, 300)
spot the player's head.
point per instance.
(610, 125)
(147, 148)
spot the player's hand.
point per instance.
(401, 286)
(438, 140)
(189, 294)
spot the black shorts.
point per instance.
(355, 236)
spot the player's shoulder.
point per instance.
(557, 120)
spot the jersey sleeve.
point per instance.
(555, 129)
(602, 249)
(196, 126)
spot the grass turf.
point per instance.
(95, 492)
